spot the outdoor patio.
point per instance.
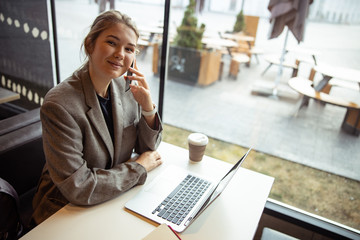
(228, 110)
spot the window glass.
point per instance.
(232, 102)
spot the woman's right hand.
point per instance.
(149, 160)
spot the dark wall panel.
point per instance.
(26, 54)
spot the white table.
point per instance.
(233, 215)
(329, 72)
(151, 29)
(218, 43)
(238, 37)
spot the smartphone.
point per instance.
(128, 82)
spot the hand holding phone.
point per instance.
(128, 82)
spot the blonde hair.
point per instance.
(104, 21)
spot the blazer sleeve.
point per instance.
(67, 164)
(148, 139)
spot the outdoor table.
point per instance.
(304, 52)
(152, 30)
(238, 37)
(149, 29)
(342, 73)
(218, 43)
(351, 122)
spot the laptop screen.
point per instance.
(223, 182)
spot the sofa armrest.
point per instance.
(21, 152)
(19, 121)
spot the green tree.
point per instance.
(240, 22)
(188, 33)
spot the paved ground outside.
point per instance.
(227, 109)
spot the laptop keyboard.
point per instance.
(179, 202)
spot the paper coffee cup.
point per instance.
(197, 145)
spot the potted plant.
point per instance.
(239, 25)
(188, 62)
(189, 35)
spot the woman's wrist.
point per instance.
(149, 113)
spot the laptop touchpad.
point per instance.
(165, 183)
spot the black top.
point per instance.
(106, 108)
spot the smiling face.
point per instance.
(112, 53)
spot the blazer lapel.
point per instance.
(118, 115)
(95, 114)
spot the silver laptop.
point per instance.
(176, 197)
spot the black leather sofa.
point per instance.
(22, 157)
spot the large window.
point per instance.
(313, 160)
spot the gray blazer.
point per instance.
(78, 145)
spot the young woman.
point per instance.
(92, 125)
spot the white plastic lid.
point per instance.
(198, 139)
